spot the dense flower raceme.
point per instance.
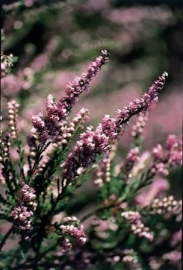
(70, 232)
(137, 226)
(12, 117)
(23, 211)
(94, 143)
(167, 205)
(49, 126)
(138, 127)
(170, 156)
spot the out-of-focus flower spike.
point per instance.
(132, 157)
(12, 117)
(4, 146)
(137, 227)
(138, 127)
(164, 159)
(102, 171)
(158, 187)
(171, 142)
(166, 205)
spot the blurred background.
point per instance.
(53, 41)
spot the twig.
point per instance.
(6, 237)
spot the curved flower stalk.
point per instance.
(92, 143)
(49, 126)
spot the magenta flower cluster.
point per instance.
(23, 211)
(94, 143)
(49, 126)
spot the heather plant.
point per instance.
(133, 223)
(77, 194)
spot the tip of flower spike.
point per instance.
(105, 56)
(105, 52)
(165, 74)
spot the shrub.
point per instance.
(133, 223)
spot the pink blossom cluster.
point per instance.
(91, 144)
(13, 84)
(131, 158)
(23, 211)
(103, 227)
(12, 117)
(21, 217)
(158, 187)
(102, 171)
(94, 143)
(48, 127)
(69, 230)
(130, 259)
(77, 122)
(138, 228)
(163, 159)
(166, 205)
(139, 125)
(74, 232)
